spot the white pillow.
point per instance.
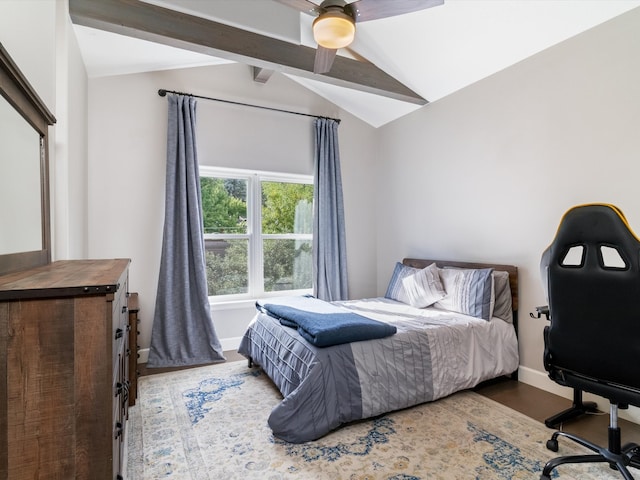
(424, 287)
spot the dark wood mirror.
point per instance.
(25, 231)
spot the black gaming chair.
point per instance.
(592, 343)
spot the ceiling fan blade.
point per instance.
(324, 59)
(375, 9)
(305, 6)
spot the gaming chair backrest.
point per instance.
(594, 296)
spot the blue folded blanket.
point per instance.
(323, 324)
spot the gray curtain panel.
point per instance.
(183, 332)
(329, 240)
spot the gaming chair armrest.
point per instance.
(546, 359)
(542, 310)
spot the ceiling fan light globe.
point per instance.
(334, 30)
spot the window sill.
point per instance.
(239, 303)
(232, 304)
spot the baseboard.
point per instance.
(226, 343)
(540, 380)
(230, 343)
(143, 355)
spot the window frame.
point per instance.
(254, 235)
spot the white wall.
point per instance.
(486, 173)
(28, 33)
(69, 171)
(127, 154)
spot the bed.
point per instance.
(465, 337)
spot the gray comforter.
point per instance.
(433, 354)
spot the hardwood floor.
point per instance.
(530, 401)
(231, 356)
(539, 405)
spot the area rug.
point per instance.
(210, 423)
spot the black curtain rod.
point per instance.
(162, 92)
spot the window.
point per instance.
(257, 232)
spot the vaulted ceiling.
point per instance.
(394, 66)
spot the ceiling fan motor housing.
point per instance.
(335, 27)
(335, 23)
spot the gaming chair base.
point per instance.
(577, 409)
(629, 454)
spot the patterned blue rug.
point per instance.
(210, 423)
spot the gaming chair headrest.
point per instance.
(597, 228)
(594, 223)
(596, 236)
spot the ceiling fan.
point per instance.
(335, 23)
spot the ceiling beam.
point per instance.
(261, 75)
(142, 20)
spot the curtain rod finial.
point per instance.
(162, 92)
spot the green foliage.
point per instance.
(223, 212)
(279, 204)
(227, 267)
(287, 265)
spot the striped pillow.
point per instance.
(468, 291)
(417, 287)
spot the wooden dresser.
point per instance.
(64, 334)
(134, 322)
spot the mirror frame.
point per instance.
(15, 88)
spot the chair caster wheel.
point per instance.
(552, 445)
(545, 477)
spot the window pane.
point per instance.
(227, 266)
(224, 205)
(287, 264)
(287, 207)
